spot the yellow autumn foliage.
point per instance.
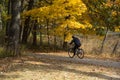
(72, 24)
(57, 12)
(117, 29)
(68, 37)
(59, 9)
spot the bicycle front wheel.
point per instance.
(71, 53)
(80, 53)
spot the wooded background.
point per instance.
(49, 24)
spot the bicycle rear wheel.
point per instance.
(71, 53)
(80, 53)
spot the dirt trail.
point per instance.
(45, 66)
(105, 63)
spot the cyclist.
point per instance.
(76, 42)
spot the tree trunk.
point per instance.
(65, 34)
(64, 43)
(41, 42)
(101, 50)
(115, 47)
(8, 21)
(14, 27)
(27, 28)
(0, 19)
(55, 37)
(35, 34)
(55, 43)
(21, 26)
(48, 36)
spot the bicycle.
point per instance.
(79, 52)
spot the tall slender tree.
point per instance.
(27, 28)
(34, 33)
(0, 20)
(8, 21)
(13, 36)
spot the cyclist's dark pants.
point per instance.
(76, 47)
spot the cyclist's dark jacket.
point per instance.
(76, 41)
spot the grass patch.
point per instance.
(2, 52)
(42, 48)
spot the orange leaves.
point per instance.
(110, 3)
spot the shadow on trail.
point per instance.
(3, 77)
(103, 63)
(52, 63)
(92, 74)
(62, 60)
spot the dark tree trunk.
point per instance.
(14, 27)
(41, 42)
(0, 19)
(55, 43)
(35, 34)
(27, 28)
(115, 47)
(21, 26)
(65, 34)
(64, 43)
(48, 35)
(103, 42)
(8, 21)
(55, 37)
